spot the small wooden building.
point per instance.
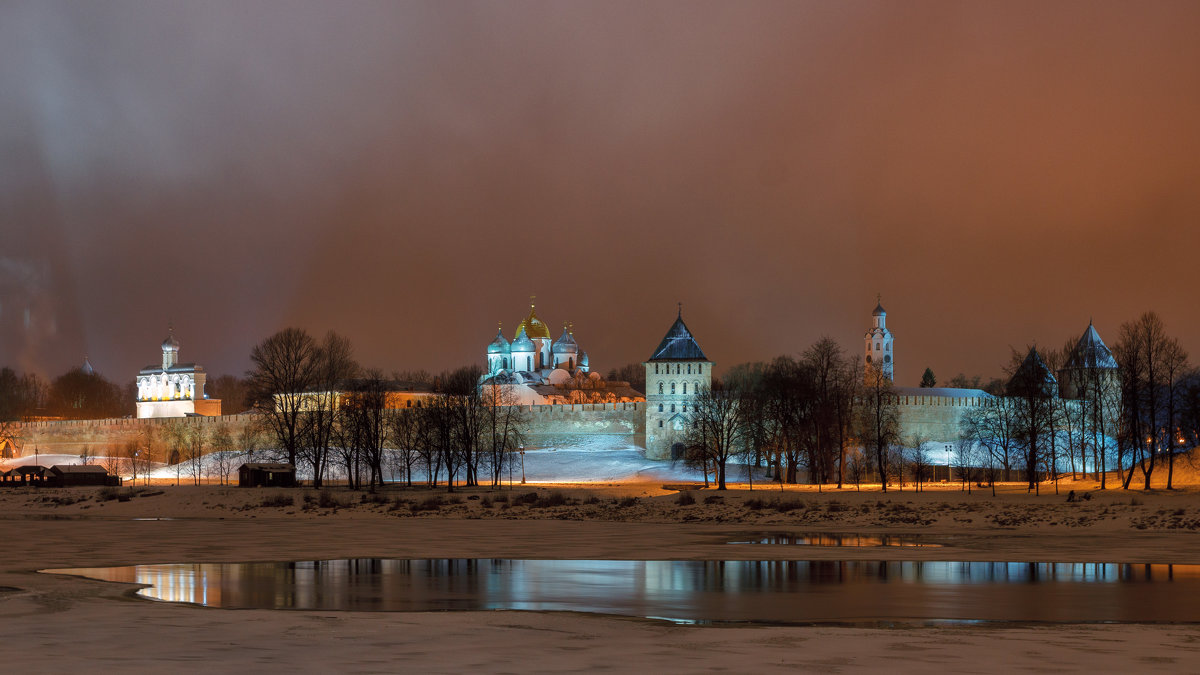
(71, 475)
(267, 474)
(29, 474)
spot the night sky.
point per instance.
(409, 173)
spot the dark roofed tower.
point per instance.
(675, 373)
(1090, 358)
(1091, 374)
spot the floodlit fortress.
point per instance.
(571, 406)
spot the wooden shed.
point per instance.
(267, 474)
(71, 475)
(30, 474)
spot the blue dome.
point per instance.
(522, 343)
(565, 344)
(499, 345)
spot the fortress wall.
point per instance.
(934, 418)
(584, 425)
(100, 437)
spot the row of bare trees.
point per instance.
(810, 413)
(329, 415)
(1133, 418)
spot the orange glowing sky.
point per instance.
(409, 173)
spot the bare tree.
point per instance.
(222, 451)
(333, 367)
(1033, 389)
(878, 419)
(1146, 355)
(714, 432)
(284, 372)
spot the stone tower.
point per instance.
(675, 373)
(878, 345)
(1092, 374)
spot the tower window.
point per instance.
(672, 387)
(876, 346)
(660, 424)
(672, 407)
(660, 387)
(656, 369)
(689, 369)
(685, 388)
(677, 368)
(868, 361)
(887, 358)
(660, 407)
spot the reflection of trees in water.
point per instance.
(677, 589)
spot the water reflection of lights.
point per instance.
(688, 591)
(836, 540)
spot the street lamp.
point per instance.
(522, 465)
(948, 476)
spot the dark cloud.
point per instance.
(408, 173)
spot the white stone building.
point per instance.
(879, 346)
(174, 389)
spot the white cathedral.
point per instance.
(532, 357)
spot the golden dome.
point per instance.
(534, 327)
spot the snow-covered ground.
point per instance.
(568, 465)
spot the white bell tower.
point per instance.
(879, 344)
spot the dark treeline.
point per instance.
(77, 394)
(326, 413)
(1131, 410)
(816, 413)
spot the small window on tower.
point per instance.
(660, 407)
(660, 387)
(660, 424)
(685, 387)
(672, 407)
(876, 346)
(689, 369)
(672, 387)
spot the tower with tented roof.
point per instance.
(675, 373)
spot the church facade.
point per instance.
(173, 389)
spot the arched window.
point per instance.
(656, 369)
(689, 369)
(660, 424)
(528, 363)
(685, 388)
(570, 364)
(887, 347)
(677, 368)
(506, 363)
(660, 407)
(700, 368)
(672, 387)
(660, 387)
(868, 361)
(695, 387)
(876, 346)
(672, 407)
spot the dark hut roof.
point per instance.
(1091, 352)
(1032, 373)
(678, 345)
(78, 468)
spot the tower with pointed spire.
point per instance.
(1090, 373)
(675, 373)
(878, 356)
